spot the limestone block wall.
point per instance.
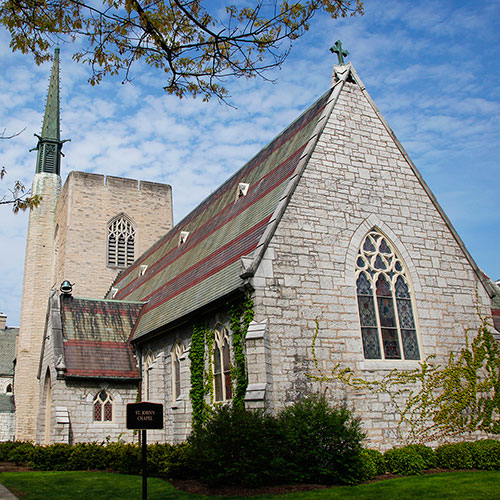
(85, 207)
(65, 413)
(36, 286)
(177, 414)
(7, 426)
(357, 179)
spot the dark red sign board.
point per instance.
(144, 415)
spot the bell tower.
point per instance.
(38, 262)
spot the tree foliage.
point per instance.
(196, 44)
(19, 197)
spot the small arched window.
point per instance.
(177, 353)
(385, 302)
(146, 382)
(222, 365)
(103, 407)
(121, 242)
(8, 389)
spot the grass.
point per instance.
(469, 485)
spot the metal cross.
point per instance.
(341, 53)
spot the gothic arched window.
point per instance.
(385, 302)
(222, 365)
(103, 407)
(121, 242)
(177, 352)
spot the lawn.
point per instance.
(469, 485)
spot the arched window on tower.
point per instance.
(103, 407)
(222, 365)
(385, 301)
(121, 242)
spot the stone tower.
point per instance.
(85, 232)
(38, 262)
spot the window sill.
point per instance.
(388, 364)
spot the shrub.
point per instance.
(169, 460)
(236, 446)
(455, 456)
(486, 454)
(405, 461)
(21, 453)
(427, 454)
(5, 448)
(53, 457)
(372, 464)
(89, 456)
(124, 458)
(321, 444)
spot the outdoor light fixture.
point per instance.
(66, 287)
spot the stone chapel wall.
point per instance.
(357, 179)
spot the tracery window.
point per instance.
(177, 352)
(222, 365)
(103, 407)
(121, 242)
(385, 302)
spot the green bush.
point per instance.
(372, 464)
(52, 457)
(486, 454)
(124, 457)
(455, 456)
(405, 461)
(21, 453)
(427, 454)
(236, 446)
(169, 460)
(89, 456)
(5, 448)
(321, 444)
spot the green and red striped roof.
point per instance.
(181, 278)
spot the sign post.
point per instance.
(143, 416)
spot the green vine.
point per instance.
(241, 315)
(197, 358)
(433, 401)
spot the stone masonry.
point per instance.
(85, 206)
(357, 179)
(36, 285)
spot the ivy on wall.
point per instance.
(241, 313)
(434, 401)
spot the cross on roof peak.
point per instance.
(341, 53)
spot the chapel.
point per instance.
(326, 249)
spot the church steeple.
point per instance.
(49, 143)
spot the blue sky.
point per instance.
(432, 68)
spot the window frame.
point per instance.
(374, 263)
(221, 357)
(146, 378)
(119, 227)
(102, 403)
(177, 353)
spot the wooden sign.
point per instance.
(144, 415)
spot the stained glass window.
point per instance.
(385, 303)
(121, 242)
(103, 407)
(222, 366)
(177, 352)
